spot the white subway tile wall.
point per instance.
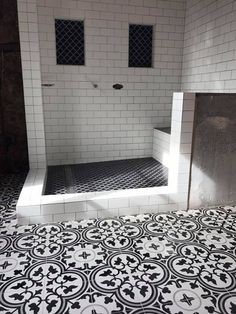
(84, 123)
(209, 59)
(114, 203)
(30, 56)
(161, 147)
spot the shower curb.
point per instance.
(34, 207)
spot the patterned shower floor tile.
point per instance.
(175, 263)
(106, 176)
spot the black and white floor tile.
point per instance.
(175, 263)
(106, 176)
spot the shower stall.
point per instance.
(94, 109)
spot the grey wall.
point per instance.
(213, 180)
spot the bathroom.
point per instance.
(97, 100)
(117, 156)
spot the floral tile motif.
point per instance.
(113, 234)
(217, 239)
(91, 303)
(176, 229)
(181, 296)
(84, 256)
(212, 268)
(46, 241)
(220, 218)
(132, 280)
(12, 264)
(44, 286)
(175, 263)
(227, 303)
(155, 247)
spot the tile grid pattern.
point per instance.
(69, 207)
(209, 55)
(173, 263)
(87, 124)
(106, 176)
(209, 65)
(31, 71)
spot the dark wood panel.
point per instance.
(13, 139)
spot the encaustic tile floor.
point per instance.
(176, 263)
(106, 176)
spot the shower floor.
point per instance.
(106, 176)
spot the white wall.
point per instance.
(33, 207)
(30, 58)
(161, 147)
(83, 123)
(87, 124)
(209, 58)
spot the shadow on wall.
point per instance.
(213, 180)
(13, 139)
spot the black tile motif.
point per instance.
(106, 176)
(174, 263)
(70, 42)
(140, 45)
(10, 187)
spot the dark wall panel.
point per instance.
(213, 179)
(13, 139)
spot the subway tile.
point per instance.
(100, 30)
(87, 215)
(97, 204)
(75, 207)
(108, 213)
(118, 203)
(64, 217)
(52, 209)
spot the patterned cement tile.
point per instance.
(175, 263)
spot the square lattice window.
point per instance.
(140, 46)
(70, 42)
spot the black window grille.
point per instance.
(140, 45)
(70, 42)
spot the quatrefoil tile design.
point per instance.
(174, 263)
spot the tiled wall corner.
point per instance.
(30, 56)
(209, 55)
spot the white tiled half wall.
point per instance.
(33, 207)
(83, 123)
(209, 59)
(161, 146)
(29, 42)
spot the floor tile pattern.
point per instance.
(106, 176)
(175, 263)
